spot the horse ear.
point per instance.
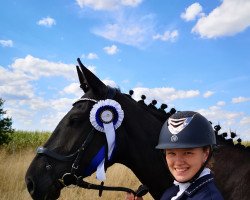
(82, 81)
(89, 80)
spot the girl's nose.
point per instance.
(179, 159)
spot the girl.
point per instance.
(187, 139)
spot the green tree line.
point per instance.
(5, 125)
(13, 140)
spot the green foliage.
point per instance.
(23, 140)
(5, 126)
(27, 139)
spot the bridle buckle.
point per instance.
(68, 179)
(74, 166)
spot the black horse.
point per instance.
(135, 143)
(75, 148)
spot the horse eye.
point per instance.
(74, 119)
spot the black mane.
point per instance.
(159, 113)
(162, 115)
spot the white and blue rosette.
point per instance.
(106, 116)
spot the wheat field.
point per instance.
(13, 167)
(18, 154)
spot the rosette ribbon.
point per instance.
(106, 116)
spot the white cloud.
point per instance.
(18, 86)
(130, 30)
(6, 43)
(111, 50)
(36, 67)
(167, 36)
(16, 81)
(107, 4)
(230, 18)
(73, 88)
(164, 94)
(62, 104)
(37, 103)
(192, 12)
(50, 120)
(132, 3)
(228, 120)
(26, 113)
(126, 81)
(221, 103)
(17, 91)
(15, 85)
(48, 22)
(110, 83)
(240, 99)
(244, 133)
(56, 109)
(92, 56)
(10, 77)
(225, 118)
(245, 121)
(21, 115)
(208, 94)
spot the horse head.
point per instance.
(80, 144)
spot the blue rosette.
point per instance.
(106, 116)
(105, 112)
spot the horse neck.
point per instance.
(232, 166)
(138, 153)
(228, 152)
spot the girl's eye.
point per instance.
(171, 153)
(188, 153)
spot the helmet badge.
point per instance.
(177, 125)
(174, 138)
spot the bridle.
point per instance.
(70, 178)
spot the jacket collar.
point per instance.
(196, 185)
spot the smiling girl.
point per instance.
(187, 139)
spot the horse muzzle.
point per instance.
(43, 192)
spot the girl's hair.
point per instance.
(210, 161)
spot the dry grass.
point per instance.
(12, 171)
(12, 186)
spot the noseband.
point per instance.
(71, 178)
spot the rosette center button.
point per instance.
(107, 116)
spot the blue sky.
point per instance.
(192, 55)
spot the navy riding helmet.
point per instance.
(186, 129)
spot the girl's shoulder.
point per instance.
(169, 193)
(203, 188)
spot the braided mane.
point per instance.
(159, 113)
(222, 139)
(162, 115)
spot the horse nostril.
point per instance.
(30, 185)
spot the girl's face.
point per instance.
(185, 163)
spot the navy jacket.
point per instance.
(202, 189)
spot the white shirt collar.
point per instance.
(184, 186)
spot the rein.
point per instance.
(71, 178)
